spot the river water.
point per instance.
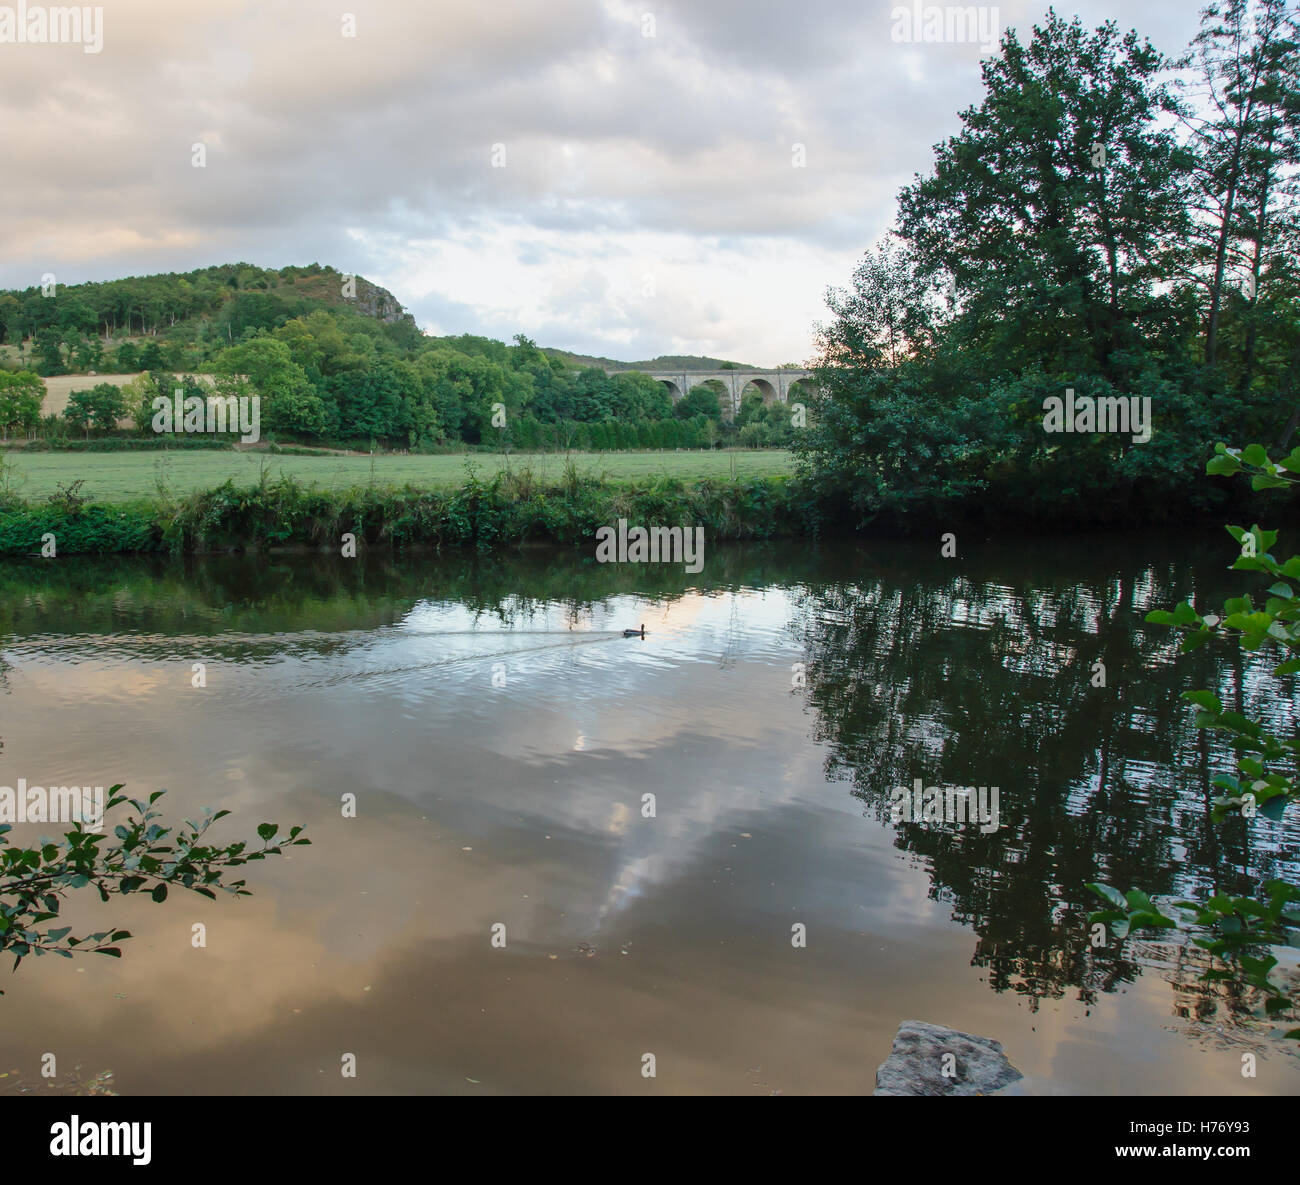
(508, 910)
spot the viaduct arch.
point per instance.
(774, 384)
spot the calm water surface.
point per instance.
(500, 742)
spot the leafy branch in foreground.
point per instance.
(1239, 930)
(140, 856)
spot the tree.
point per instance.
(140, 856)
(289, 401)
(85, 352)
(21, 396)
(890, 313)
(317, 344)
(1241, 110)
(101, 407)
(137, 398)
(1056, 212)
(751, 408)
(10, 318)
(127, 358)
(699, 401)
(49, 345)
(637, 397)
(370, 402)
(1238, 929)
(75, 314)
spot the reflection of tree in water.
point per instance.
(5, 668)
(960, 679)
(267, 593)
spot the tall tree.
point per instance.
(1239, 104)
(1053, 212)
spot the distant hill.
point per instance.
(663, 362)
(200, 311)
(233, 295)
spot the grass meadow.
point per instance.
(126, 476)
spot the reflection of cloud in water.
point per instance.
(543, 779)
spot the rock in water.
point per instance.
(923, 1052)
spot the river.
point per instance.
(570, 849)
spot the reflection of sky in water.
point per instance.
(481, 802)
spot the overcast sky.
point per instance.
(650, 200)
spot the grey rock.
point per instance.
(379, 303)
(916, 1063)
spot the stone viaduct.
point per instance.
(774, 385)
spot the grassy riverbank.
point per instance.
(507, 509)
(119, 477)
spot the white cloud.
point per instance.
(626, 154)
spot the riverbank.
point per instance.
(510, 509)
(519, 507)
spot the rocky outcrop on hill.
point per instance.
(379, 303)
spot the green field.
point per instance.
(121, 477)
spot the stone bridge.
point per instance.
(774, 385)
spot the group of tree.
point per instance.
(1107, 221)
(329, 370)
(1108, 224)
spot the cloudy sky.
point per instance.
(619, 178)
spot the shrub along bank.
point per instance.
(509, 509)
(516, 507)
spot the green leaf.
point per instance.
(1223, 466)
(1205, 699)
(159, 893)
(1106, 893)
(1139, 901)
(1273, 808)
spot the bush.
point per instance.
(509, 509)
